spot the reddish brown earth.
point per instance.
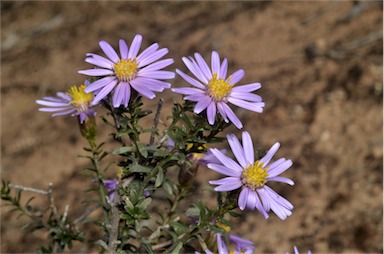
(320, 64)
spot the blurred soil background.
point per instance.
(321, 67)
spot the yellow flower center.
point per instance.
(80, 99)
(125, 69)
(218, 88)
(254, 176)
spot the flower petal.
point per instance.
(211, 112)
(249, 152)
(188, 90)
(236, 77)
(222, 111)
(243, 198)
(277, 169)
(246, 96)
(103, 92)
(64, 96)
(194, 68)
(223, 69)
(253, 106)
(156, 74)
(215, 62)
(264, 199)
(158, 65)
(247, 88)
(203, 66)
(201, 105)
(100, 83)
(52, 103)
(135, 46)
(191, 80)
(281, 180)
(119, 94)
(153, 84)
(195, 97)
(123, 49)
(231, 183)
(231, 115)
(96, 72)
(147, 52)
(99, 61)
(54, 109)
(143, 90)
(271, 152)
(237, 150)
(109, 51)
(224, 170)
(228, 162)
(150, 58)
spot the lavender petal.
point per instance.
(224, 170)
(191, 80)
(135, 46)
(271, 152)
(96, 72)
(211, 112)
(236, 77)
(123, 49)
(109, 51)
(237, 150)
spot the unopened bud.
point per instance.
(88, 129)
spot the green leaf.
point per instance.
(161, 153)
(143, 204)
(192, 212)
(128, 204)
(159, 178)
(177, 248)
(124, 149)
(168, 188)
(178, 227)
(142, 150)
(139, 169)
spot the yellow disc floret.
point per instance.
(254, 176)
(218, 88)
(80, 99)
(125, 69)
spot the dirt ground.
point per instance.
(320, 64)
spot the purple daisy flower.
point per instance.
(252, 176)
(141, 72)
(110, 185)
(213, 89)
(75, 102)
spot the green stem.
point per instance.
(95, 161)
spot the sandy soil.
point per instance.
(320, 64)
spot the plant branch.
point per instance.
(156, 121)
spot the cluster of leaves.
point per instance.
(61, 231)
(146, 214)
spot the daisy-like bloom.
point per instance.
(119, 73)
(213, 89)
(75, 102)
(252, 176)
